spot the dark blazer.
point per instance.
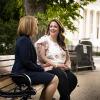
(25, 56)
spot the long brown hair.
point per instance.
(60, 37)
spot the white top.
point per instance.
(53, 50)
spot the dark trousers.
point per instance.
(67, 82)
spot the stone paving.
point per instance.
(89, 84)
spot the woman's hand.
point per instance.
(66, 67)
(46, 65)
(63, 66)
(48, 68)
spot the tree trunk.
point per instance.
(32, 6)
(28, 7)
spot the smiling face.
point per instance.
(53, 29)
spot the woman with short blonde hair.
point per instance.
(26, 59)
(27, 26)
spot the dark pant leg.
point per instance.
(63, 83)
(72, 79)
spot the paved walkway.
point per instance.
(89, 84)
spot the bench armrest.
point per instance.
(21, 79)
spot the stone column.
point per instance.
(81, 24)
(87, 23)
(94, 24)
(99, 26)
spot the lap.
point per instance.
(60, 73)
(41, 77)
(66, 75)
(70, 74)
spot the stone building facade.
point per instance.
(89, 26)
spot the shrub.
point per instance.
(7, 36)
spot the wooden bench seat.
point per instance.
(6, 83)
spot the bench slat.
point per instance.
(5, 70)
(6, 63)
(7, 57)
(5, 81)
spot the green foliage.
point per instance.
(66, 16)
(42, 24)
(10, 12)
(67, 12)
(20, 7)
(96, 53)
(11, 9)
(7, 36)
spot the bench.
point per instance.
(6, 83)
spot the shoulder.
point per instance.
(42, 39)
(23, 40)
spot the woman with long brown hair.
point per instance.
(52, 54)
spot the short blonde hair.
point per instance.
(27, 26)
